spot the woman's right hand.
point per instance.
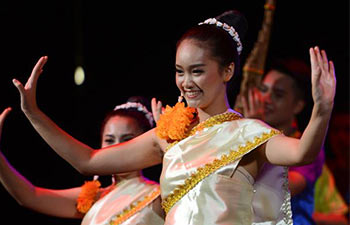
(28, 92)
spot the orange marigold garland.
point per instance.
(87, 196)
(173, 124)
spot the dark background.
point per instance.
(126, 48)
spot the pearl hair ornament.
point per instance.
(229, 29)
(139, 107)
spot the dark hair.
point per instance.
(221, 45)
(299, 71)
(139, 116)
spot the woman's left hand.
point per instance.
(323, 80)
(157, 109)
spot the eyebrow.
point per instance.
(192, 66)
(129, 134)
(278, 89)
(109, 135)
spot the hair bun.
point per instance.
(235, 19)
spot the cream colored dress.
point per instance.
(131, 202)
(201, 182)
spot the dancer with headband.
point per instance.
(130, 199)
(211, 155)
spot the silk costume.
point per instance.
(130, 202)
(201, 182)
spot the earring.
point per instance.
(180, 98)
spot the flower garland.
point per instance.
(87, 196)
(174, 123)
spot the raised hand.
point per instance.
(323, 79)
(28, 92)
(3, 116)
(157, 109)
(253, 106)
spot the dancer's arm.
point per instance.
(136, 154)
(60, 203)
(283, 150)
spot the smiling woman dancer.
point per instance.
(211, 155)
(130, 199)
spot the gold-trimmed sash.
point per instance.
(209, 168)
(134, 208)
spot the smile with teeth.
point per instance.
(192, 94)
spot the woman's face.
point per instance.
(198, 76)
(119, 129)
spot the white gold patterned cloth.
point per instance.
(131, 202)
(200, 184)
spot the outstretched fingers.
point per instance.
(28, 91)
(323, 78)
(157, 109)
(319, 56)
(18, 85)
(325, 62)
(37, 70)
(315, 66)
(331, 69)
